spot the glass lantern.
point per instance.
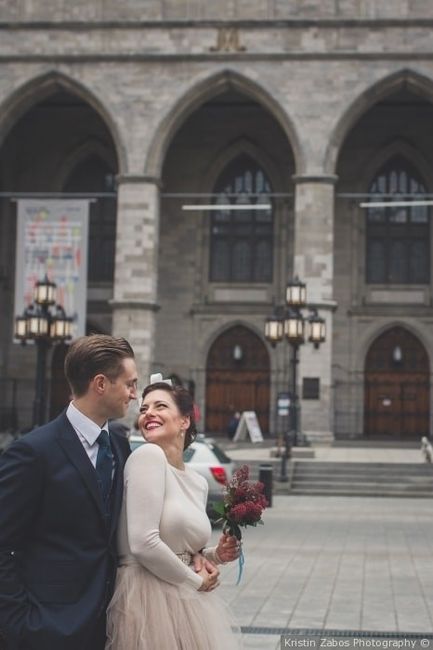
(296, 293)
(274, 329)
(20, 331)
(45, 292)
(317, 329)
(294, 326)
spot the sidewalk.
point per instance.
(354, 564)
(261, 452)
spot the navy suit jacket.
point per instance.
(57, 551)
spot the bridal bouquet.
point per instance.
(243, 505)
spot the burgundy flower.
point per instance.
(239, 513)
(253, 512)
(243, 505)
(244, 502)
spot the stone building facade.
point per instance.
(319, 106)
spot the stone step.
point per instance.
(368, 485)
(347, 492)
(362, 479)
(365, 466)
(346, 471)
(364, 471)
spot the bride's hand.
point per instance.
(199, 561)
(210, 575)
(228, 548)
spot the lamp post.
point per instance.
(43, 322)
(289, 322)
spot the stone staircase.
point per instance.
(361, 479)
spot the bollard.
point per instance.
(265, 477)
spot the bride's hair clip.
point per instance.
(157, 378)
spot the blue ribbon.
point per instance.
(241, 566)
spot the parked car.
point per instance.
(205, 457)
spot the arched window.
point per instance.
(398, 239)
(242, 240)
(94, 175)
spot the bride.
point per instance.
(164, 597)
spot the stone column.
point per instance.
(136, 272)
(314, 264)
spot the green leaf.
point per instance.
(218, 507)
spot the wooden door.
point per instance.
(397, 386)
(241, 384)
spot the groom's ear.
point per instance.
(98, 384)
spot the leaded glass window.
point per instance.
(398, 238)
(241, 247)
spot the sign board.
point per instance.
(52, 239)
(283, 404)
(248, 423)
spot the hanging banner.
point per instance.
(52, 237)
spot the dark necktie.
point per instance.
(104, 463)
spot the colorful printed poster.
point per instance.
(52, 237)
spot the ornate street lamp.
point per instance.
(43, 322)
(296, 293)
(274, 328)
(317, 328)
(289, 322)
(294, 326)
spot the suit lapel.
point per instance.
(76, 453)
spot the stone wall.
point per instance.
(305, 72)
(196, 10)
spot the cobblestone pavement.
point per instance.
(341, 563)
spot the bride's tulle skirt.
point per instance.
(146, 613)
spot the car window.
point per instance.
(202, 453)
(222, 457)
(188, 454)
(135, 443)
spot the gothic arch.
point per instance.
(237, 383)
(375, 332)
(201, 92)
(397, 385)
(416, 82)
(78, 155)
(227, 326)
(236, 148)
(38, 88)
(402, 149)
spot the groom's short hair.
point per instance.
(92, 355)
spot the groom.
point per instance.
(60, 496)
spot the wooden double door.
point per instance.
(237, 379)
(397, 387)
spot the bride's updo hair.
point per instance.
(184, 402)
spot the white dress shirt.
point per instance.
(86, 430)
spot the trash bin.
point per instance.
(265, 477)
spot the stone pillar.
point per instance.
(314, 264)
(136, 272)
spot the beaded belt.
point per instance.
(185, 557)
